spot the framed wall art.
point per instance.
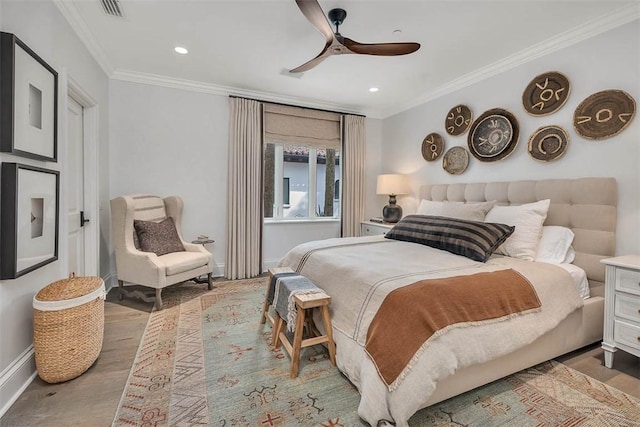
(28, 102)
(29, 199)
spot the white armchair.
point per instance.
(147, 268)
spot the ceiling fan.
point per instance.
(336, 44)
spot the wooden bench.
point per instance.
(305, 303)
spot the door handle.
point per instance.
(83, 220)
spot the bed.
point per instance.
(360, 272)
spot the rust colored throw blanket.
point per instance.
(410, 316)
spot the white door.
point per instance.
(75, 162)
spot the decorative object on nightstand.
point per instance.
(621, 307)
(374, 228)
(392, 185)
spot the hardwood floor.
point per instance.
(92, 398)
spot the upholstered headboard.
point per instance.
(585, 205)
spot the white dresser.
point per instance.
(622, 307)
(369, 228)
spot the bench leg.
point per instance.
(277, 329)
(297, 342)
(265, 306)
(326, 320)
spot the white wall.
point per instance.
(171, 141)
(608, 61)
(43, 29)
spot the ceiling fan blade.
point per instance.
(383, 49)
(315, 61)
(313, 12)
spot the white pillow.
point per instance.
(459, 210)
(570, 257)
(528, 220)
(554, 244)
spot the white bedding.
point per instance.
(359, 272)
(579, 277)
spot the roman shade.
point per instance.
(301, 126)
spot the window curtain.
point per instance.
(244, 197)
(353, 172)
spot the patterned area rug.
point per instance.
(205, 361)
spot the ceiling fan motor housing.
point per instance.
(337, 16)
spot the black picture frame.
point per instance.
(29, 218)
(28, 102)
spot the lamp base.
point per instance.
(392, 213)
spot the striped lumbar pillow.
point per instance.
(472, 239)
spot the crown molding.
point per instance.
(196, 86)
(71, 14)
(575, 35)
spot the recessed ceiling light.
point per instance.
(397, 32)
(373, 89)
(181, 50)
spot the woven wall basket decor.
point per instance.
(432, 146)
(604, 114)
(455, 160)
(546, 93)
(548, 143)
(494, 135)
(458, 120)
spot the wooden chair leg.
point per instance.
(158, 299)
(210, 281)
(121, 289)
(297, 342)
(277, 329)
(326, 320)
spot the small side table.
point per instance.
(202, 242)
(621, 307)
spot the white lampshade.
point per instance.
(393, 184)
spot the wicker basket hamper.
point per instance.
(68, 327)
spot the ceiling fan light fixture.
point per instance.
(181, 50)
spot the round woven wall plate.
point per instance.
(604, 114)
(432, 146)
(494, 135)
(458, 120)
(455, 160)
(546, 93)
(548, 143)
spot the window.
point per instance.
(309, 175)
(301, 162)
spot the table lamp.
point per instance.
(392, 185)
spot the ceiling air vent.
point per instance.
(112, 8)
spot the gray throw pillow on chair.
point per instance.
(158, 237)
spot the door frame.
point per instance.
(91, 136)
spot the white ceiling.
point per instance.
(243, 47)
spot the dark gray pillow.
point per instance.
(158, 237)
(472, 239)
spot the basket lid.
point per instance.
(72, 287)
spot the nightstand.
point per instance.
(621, 307)
(368, 228)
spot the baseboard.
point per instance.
(16, 378)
